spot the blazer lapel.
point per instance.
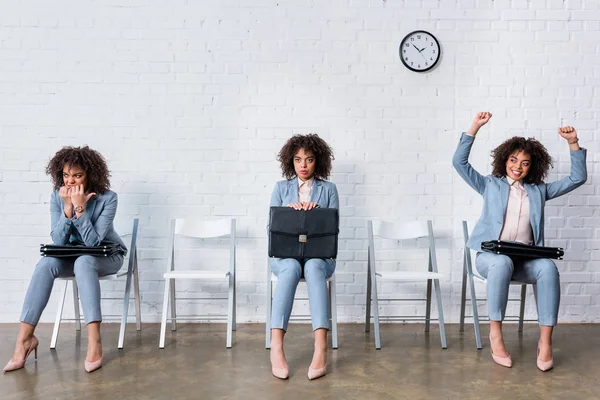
(535, 208)
(293, 190)
(91, 206)
(316, 191)
(504, 191)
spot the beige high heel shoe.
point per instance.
(503, 361)
(15, 365)
(544, 365)
(92, 366)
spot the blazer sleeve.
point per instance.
(93, 233)
(576, 178)
(334, 200)
(276, 200)
(460, 161)
(60, 230)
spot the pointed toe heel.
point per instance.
(15, 365)
(316, 373)
(92, 366)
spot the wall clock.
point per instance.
(419, 51)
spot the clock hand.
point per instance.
(416, 48)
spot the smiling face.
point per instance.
(304, 164)
(74, 175)
(517, 165)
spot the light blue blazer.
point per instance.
(495, 193)
(92, 228)
(323, 193)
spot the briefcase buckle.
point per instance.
(303, 238)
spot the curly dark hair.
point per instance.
(313, 143)
(541, 162)
(91, 161)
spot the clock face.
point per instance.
(419, 51)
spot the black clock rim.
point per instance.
(414, 69)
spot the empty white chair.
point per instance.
(201, 230)
(397, 232)
(131, 274)
(332, 307)
(469, 277)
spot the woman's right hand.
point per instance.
(304, 205)
(65, 194)
(480, 120)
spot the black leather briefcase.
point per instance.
(522, 250)
(303, 234)
(73, 250)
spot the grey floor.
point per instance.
(411, 365)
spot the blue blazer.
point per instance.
(323, 193)
(495, 193)
(92, 228)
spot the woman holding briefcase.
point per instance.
(82, 209)
(306, 164)
(514, 197)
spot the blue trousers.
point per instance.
(289, 271)
(500, 269)
(86, 270)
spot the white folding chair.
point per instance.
(397, 232)
(469, 276)
(131, 273)
(200, 230)
(332, 307)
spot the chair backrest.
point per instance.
(199, 229)
(126, 229)
(204, 229)
(468, 263)
(402, 231)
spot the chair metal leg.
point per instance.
(59, 311)
(165, 310)
(375, 308)
(76, 305)
(463, 295)
(428, 306)
(475, 312)
(230, 311)
(173, 306)
(136, 294)
(368, 300)
(234, 325)
(269, 305)
(333, 308)
(522, 310)
(123, 326)
(440, 309)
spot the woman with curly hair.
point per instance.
(82, 210)
(306, 164)
(514, 197)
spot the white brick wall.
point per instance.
(190, 101)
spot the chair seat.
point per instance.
(102, 278)
(409, 275)
(196, 275)
(274, 278)
(482, 279)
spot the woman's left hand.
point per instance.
(78, 196)
(305, 205)
(568, 132)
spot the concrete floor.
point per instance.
(196, 365)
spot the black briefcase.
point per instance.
(303, 234)
(522, 250)
(75, 250)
